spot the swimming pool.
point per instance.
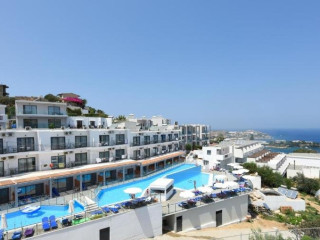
(186, 179)
(19, 219)
(182, 175)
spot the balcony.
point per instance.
(42, 113)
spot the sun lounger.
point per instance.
(17, 235)
(183, 204)
(65, 222)
(29, 232)
(127, 204)
(55, 192)
(197, 199)
(45, 224)
(213, 195)
(106, 209)
(115, 208)
(78, 217)
(97, 212)
(53, 222)
(1, 234)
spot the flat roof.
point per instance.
(58, 173)
(305, 155)
(41, 102)
(162, 183)
(160, 158)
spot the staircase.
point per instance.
(90, 205)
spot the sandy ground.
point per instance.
(312, 204)
(228, 232)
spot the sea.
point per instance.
(312, 135)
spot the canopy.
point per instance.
(233, 164)
(4, 224)
(220, 185)
(71, 206)
(133, 190)
(187, 194)
(240, 171)
(231, 184)
(237, 172)
(237, 167)
(205, 189)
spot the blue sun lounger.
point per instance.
(1, 234)
(53, 222)
(106, 209)
(17, 235)
(45, 224)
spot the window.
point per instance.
(29, 109)
(54, 110)
(31, 190)
(208, 152)
(58, 162)
(119, 153)
(58, 143)
(4, 193)
(26, 165)
(169, 188)
(163, 138)
(146, 139)
(81, 159)
(1, 169)
(155, 138)
(104, 140)
(136, 141)
(1, 146)
(120, 139)
(63, 184)
(170, 137)
(205, 162)
(136, 154)
(54, 123)
(147, 152)
(25, 144)
(176, 136)
(104, 156)
(30, 123)
(81, 141)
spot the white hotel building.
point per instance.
(66, 157)
(195, 134)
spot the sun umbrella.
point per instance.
(220, 185)
(244, 170)
(4, 224)
(231, 184)
(71, 206)
(237, 167)
(237, 172)
(133, 190)
(187, 194)
(205, 189)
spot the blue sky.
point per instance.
(230, 64)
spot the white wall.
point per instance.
(233, 210)
(145, 222)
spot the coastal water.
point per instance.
(294, 134)
(312, 135)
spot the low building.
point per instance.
(3, 117)
(304, 163)
(34, 114)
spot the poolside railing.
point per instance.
(86, 217)
(171, 208)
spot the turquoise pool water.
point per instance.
(19, 219)
(185, 179)
(184, 175)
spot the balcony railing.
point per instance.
(49, 113)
